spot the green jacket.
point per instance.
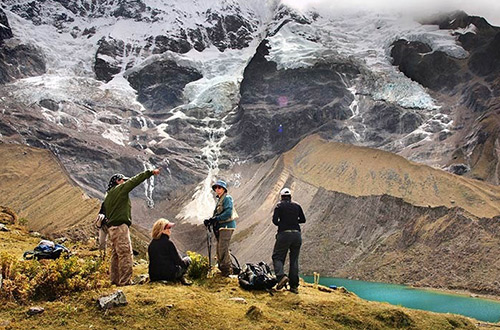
(117, 202)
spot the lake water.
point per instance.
(480, 309)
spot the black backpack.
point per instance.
(46, 250)
(257, 277)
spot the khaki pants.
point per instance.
(223, 256)
(103, 236)
(121, 255)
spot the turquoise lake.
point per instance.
(480, 309)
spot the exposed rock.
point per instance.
(115, 299)
(3, 227)
(130, 9)
(20, 61)
(254, 313)
(229, 31)
(7, 216)
(198, 39)
(392, 119)
(238, 300)
(435, 70)
(108, 58)
(35, 310)
(178, 45)
(459, 169)
(5, 31)
(160, 84)
(273, 101)
(49, 104)
(486, 61)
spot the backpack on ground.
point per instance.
(257, 277)
(46, 250)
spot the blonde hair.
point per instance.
(158, 228)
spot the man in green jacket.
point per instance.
(117, 207)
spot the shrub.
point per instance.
(199, 266)
(25, 280)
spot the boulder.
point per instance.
(254, 313)
(238, 300)
(113, 300)
(35, 310)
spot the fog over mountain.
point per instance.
(227, 89)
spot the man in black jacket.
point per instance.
(287, 216)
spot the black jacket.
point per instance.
(164, 259)
(287, 216)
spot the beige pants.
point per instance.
(103, 236)
(223, 256)
(121, 255)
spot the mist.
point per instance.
(489, 9)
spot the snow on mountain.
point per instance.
(162, 82)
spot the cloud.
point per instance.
(489, 9)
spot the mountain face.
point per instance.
(210, 89)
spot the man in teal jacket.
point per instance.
(224, 224)
(117, 207)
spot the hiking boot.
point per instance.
(184, 281)
(281, 284)
(294, 290)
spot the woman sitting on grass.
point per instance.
(165, 263)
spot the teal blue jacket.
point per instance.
(223, 218)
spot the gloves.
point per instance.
(209, 222)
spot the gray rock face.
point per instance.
(5, 31)
(435, 70)
(161, 83)
(20, 61)
(104, 70)
(279, 107)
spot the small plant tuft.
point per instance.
(199, 266)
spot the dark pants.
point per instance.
(181, 270)
(287, 241)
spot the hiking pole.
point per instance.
(209, 246)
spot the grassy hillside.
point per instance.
(36, 186)
(209, 304)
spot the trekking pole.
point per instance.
(209, 246)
